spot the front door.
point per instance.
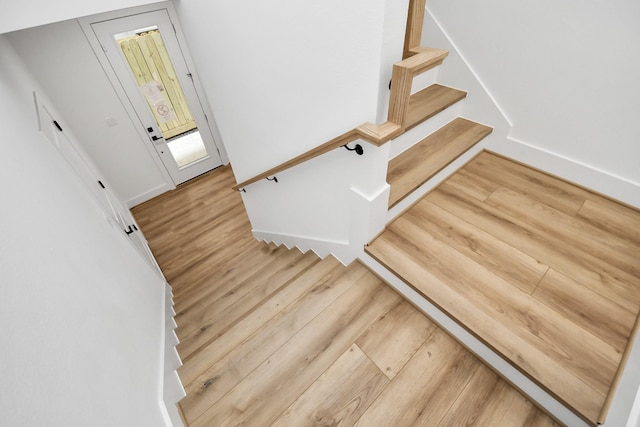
(145, 54)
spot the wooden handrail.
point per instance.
(416, 59)
(375, 134)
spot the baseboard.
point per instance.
(583, 175)
(470, 342)
(148, 195)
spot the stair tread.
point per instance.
(430, 101)
(415, 166)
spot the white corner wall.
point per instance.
(282, 78)
(82, 314)
(566, 75)
(286, 76)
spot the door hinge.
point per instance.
(57, 125)
(101, 184)
(190, 76)
(130, 229)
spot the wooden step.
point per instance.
(548, 289)
(415, 166)
(429, 102)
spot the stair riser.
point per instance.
(424, 80)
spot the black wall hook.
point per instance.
(358, 149)
(274, 179)
(242, 190)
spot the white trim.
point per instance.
(172, 390)
(321, 247)
(150, 194)
(584, 175)
(469, 67)
(85, 26)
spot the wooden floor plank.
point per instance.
(394, 338)
(583, 267)
(544, 188)
(211, 281)
(217, 266)
(265, 393)
(206, 325)
(572, 231)
(535, 323)
(225, 374)
(621, 221)
(323, 404)
(265, 318)
(225, 295)
(508, 409)
(424, 390)
(474, 398)
(472, 184)
(506, 261)
(603, 318)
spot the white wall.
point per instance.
(565, 74)
(284, 76)
(17, 15)
(62, 61)
(82, 314)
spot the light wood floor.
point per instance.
(544, 272)
(276, 337)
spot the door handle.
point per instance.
(156, 138)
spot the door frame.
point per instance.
(85, 24)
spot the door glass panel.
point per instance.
(149, 62)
